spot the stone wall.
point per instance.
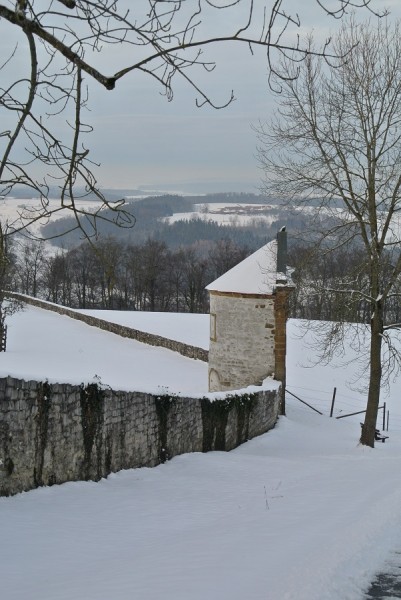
(128, 332)
(53, 433)
(242, 340)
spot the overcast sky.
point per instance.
(141, 139)
(146, 140)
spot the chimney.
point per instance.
(282, 252)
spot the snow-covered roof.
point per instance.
(256, 274)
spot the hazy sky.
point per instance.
(141, 139)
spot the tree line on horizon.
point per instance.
(116, 275)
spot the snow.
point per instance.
(15, 210)
(226, 219)
(192, 329)
(256, 274)
(228, 214)
(300, 513)
(85, 354)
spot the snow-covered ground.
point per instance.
(301, 513)
(231, 214)
(44, 345)
(184, 327)
(13, 210)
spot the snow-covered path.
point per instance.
(300, 513)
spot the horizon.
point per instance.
(140, 139)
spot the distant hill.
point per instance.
(200, 221)
(111, 194)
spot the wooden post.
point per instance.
(384, 416)
(332, 402)
(388, 418)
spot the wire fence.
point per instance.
(339, 405)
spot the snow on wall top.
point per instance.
(256, 274)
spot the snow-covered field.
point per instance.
(247, 214)
(44, 345)
(231, 214)
(301, 513)
(14, 209)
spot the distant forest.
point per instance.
(151, 276)
(149, 213)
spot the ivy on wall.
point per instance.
(92, 419)
(215, 416)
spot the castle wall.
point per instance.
(53, 433)
(242, 340)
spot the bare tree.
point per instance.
(7, 306)
(30, 264)
(316, 271)
(224, 255)
(64, 43)
(194, 282)
(57, 279)
(337, 138)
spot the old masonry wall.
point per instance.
(242, 340)
(53, 433)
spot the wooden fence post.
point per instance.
(332, 402)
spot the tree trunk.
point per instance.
(369, 426)
(3, 329)
(3, 337)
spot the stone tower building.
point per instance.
(248, 313)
